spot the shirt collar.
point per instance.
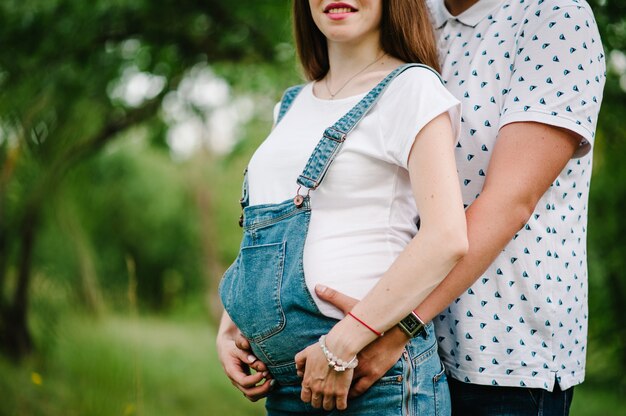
(470, 17)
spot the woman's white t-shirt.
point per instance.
(363, 214)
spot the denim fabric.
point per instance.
(415, 385)
(288, 97)
(430, 394)
(478, 400)
(264, 291)
(265, 294)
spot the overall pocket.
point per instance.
(250, 291)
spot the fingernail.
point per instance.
(265, 373)
(321, 288)
(251, 358)
(272, 382)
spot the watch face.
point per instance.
(411, 323)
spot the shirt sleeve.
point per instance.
(559, 72)
(275, 113)
(415, 98)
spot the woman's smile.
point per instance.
(339, 11)
(348, 21)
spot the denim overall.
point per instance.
(265, 294)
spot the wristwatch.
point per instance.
(411, 325)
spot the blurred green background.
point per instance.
(124, 128)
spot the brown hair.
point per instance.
(406, 33)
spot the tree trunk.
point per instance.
(4, 262)
(16, 336)
(208, 236)
(91, 294)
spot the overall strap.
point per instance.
(289, 96)
(329, 145)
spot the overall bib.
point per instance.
(265, 294)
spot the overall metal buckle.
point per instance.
(298, 200)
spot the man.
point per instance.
(530, 75)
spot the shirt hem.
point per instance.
(539, 382)
(557, 121)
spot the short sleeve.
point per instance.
(559, 72)
(415, 98)
(275, 113)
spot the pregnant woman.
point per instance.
(356, 189)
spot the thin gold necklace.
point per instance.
(332, 96)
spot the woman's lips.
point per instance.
(338, 11)
(339, 8)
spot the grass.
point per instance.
(154, 366)
(122, 366)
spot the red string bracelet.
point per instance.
(378, 334)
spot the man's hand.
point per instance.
(238, 361)
(375, 359)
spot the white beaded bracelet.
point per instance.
(334, 362)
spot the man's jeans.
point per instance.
(476, 400)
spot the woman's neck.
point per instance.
(346, 59)
(456, 7)
(354, 68)
(346, 62)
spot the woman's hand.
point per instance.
(375, 359)
(237, 359)
(322, 386)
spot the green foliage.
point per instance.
(607, 228)
(67, 209)
(92, 203)
(133, 203)
(593, 401)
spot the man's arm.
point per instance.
(526, 160)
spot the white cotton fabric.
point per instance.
(364, 212)
(524, 322)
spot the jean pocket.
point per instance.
(442, 393)
(395, 375)
(250, 291)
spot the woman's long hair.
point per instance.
(406, 33)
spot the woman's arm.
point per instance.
(431, 254)
(425, 261)
(513, 186)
